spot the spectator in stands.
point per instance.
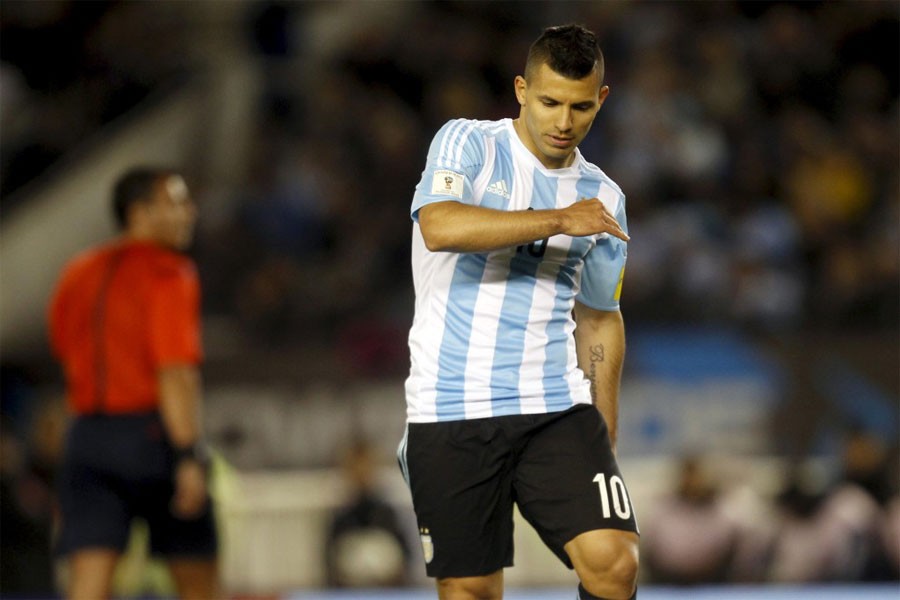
(367, 545)
(824, 535)
(689, 538)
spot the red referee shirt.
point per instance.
(121, 312)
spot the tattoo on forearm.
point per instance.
(596, 357)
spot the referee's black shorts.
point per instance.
(117, 468)
(465, 477)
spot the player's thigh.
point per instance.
(568, 481)
(485, 587)
(459, 474)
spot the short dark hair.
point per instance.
(570, 50)
(135, 185)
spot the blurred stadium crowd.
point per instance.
(757, 143)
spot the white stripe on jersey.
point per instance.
(482, 343)
(455, 142)
(428, 323)
(536, 338)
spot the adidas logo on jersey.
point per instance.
(500, 188)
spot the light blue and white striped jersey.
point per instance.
(493, 332)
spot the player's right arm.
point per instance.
(451, 220)
(456, 227)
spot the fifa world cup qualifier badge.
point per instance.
(427, 546)
(448, 183)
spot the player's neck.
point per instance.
(531, 145)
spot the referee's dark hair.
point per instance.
(135, 185)
(570, 50)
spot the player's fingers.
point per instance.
(620, 234)
(615, 229)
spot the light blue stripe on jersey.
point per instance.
(457, 331)
(503, 171)
(556, 387)
(544, 194)
(511, 335)
(585, 188)
(463, 293)
(603, 265)
(516, 309)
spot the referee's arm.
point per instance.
(179, 405)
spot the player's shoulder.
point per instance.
(476, 129)
(462, 142)
(591, 170)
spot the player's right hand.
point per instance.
(590, 217)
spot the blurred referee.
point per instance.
(124, 323)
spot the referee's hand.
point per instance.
(190, 495)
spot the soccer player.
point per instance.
(124, 323)
(517, 344)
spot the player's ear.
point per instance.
(604, 92)
(519, 84)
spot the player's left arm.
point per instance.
(600, 347)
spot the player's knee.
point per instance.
(609, 567)
(613, 582)
(470, 588)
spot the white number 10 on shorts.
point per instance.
(615, 489)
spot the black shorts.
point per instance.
(117, 468)
(465, 477)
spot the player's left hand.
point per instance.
(190, 489)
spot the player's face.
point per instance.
(557, 113)
(173, 213)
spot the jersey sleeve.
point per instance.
(455, 158)
(604, 266)
(174, 318)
